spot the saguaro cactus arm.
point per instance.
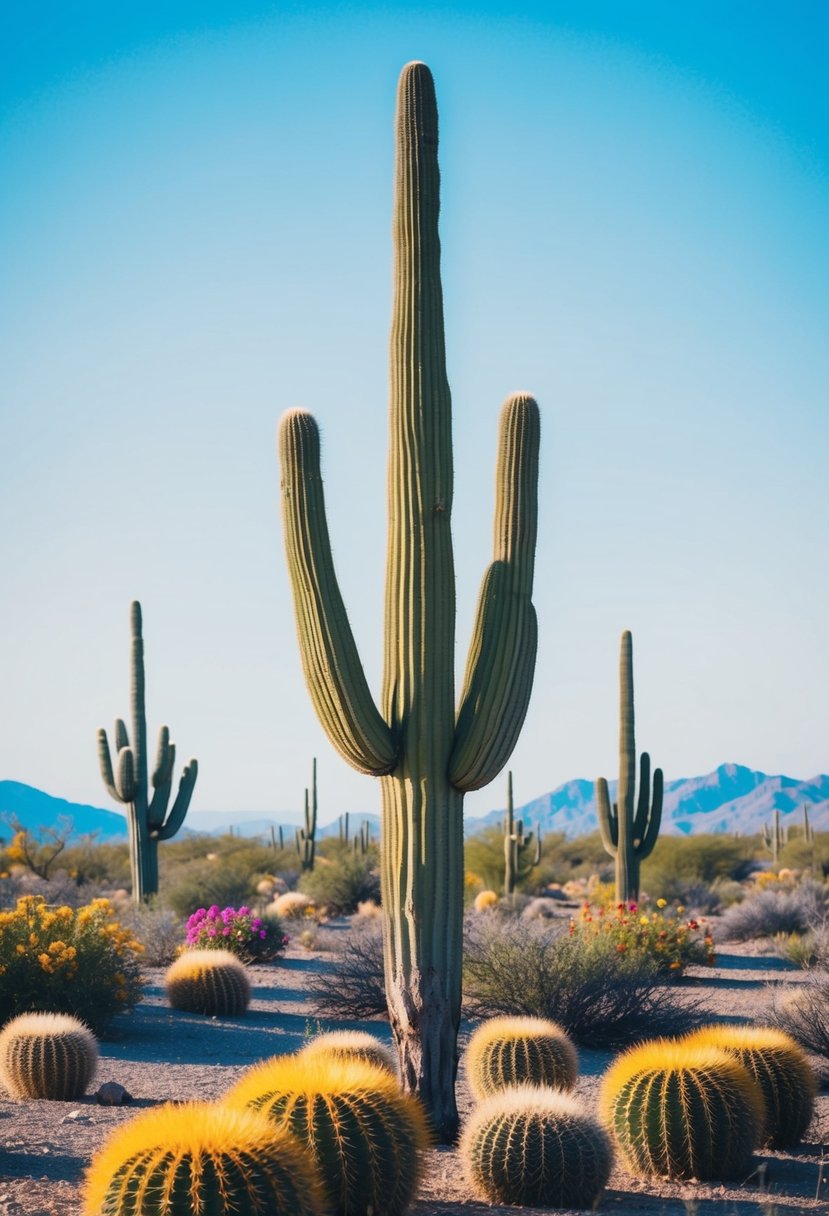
(501, 663)
(608, 813)
(330, 661)
(648, 817)
(179, 809)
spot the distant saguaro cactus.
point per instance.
(521, 852)
(147, 817)
(628, 828)
(427, 754)
(774, 837)
(306, 837)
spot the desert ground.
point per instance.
(161, 1055)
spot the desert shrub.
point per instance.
(104, 864)
(800, 854)
(804, 1013)
(253, 939)
(355, 986)
(677, 861)
(766, 913)
(563, 860)
(158, 929)
(809, 949)
(293, 905)
(209, 882)
(341, 884)
(660, 933)
(601, 997)
(65, 960)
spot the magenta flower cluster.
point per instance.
(239, 924)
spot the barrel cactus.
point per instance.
(47, 1055)
(352, 1045)
(427, 751)
(536, 1148)
(779, 1067)
(365, 1135)
(509, 1051)
(202, 1160)
(683, 1112)
(213, 982)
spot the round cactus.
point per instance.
(352, 1045)
(202, 1160)
(47, 1055)
(681, 1111)
(536, 1148)
(366, 1136)
(779, 1067)
(485, 901)
(213, 982)
(509, 1051)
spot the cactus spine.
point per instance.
(629, 831)
(519, 854)
(352, 1045)
(366, 1136)
(147, 817)
(47, 1055)
(426, 755)
(774, 837)
(202, 1160)
(509, 1051)
(536, 1148)
(306, 837)
(213, 982)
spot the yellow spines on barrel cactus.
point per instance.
(199, 1159)
(683, 1112)
(213, 982)
(367, 1137)
(427, 752)
(352, 1045)
(47, 1055)
(508, 1051)
(780, 1068)
(536, 1148)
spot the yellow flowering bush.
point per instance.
(663, 935)
(67, 960)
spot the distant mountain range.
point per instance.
(731, 799)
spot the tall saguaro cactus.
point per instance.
(147, 817)
(426, 754)
(629, 828)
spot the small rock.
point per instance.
(113, 1094)
(76, 1116)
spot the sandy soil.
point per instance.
(159, 1055)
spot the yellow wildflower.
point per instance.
(661, 903)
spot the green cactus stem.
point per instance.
(808, 830)
(343, 828)
(427, 755)
(306, 837)
(521, 852)
(628, 827)
(774, 837)
(148, 820)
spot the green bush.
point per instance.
(342, 883)
(65, 960)
(201, 883)
(678, 861)
(601, 997)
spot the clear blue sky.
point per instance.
(194, 236)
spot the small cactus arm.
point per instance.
(536, 1148)
(629, 831)
(427, 755)
(148, 820)
(47, 1055)
(202, 1160)
(306, 837)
